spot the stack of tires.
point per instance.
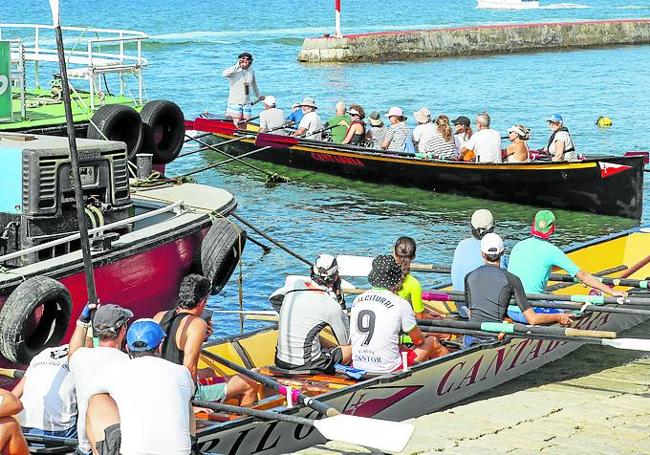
(159, 128)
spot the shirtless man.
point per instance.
(12, 440)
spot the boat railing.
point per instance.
(90, 53)
(176, 207)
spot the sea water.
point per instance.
(192, 42)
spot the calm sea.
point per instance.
(192, 42)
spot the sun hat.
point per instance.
(385, 273)
(555, 118)
(309, 101)
(375, 119)
(144, 335)
(395, 112)
(109, 318)
(461, 120)
(423, 115)
(492, 244)
(543, 224)
(269, 100)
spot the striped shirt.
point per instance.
(439, 148)
(396, 135)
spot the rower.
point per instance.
(377, 319)
(532, 260)
(12, 440)
(186, 331)
(271, 118)
(489, 288)
(339, 123)
(310, 124)
(296, 115)
(306, 307)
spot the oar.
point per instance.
(378, 434)
(213, 165)
(12, 373)
(642, 284)
(632, 344)
(576, 298)
(45, 439)
(296, 395)
(265, 248)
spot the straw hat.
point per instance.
(309, 101)
(423, 115)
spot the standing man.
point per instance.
(186, 331)
(242, 80)
(377, 319)
(85, 363)
(485, 144)
(560, 144)
(489, 288)
(339, 123)
(533, 259)
(462, 132)
(310, 126)
(272, 118)
(306, 308)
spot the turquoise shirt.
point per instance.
(532, 259)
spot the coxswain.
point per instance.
(533, 259)
(242, 81)
(560, 143)
(186, 331)
(377, 319)
(489, 288)
(109, 326)
(306, 307)
(12, 440)
(310, 126)
(271, 118)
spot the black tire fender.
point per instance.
(164, 126)
(118, 122)
(22, 336)
(220, 252)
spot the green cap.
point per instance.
(544, 220)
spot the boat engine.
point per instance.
(37, 201)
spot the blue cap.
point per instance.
(144, 335)
(555, 118)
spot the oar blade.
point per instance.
(631, 344)
(377, 434)
(214, 126)
(354, 265)
(274, 141)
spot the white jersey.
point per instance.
(376, 321)
(153, 397)
(311, 122)
(49, 398)
(486, 144)
(86, 365)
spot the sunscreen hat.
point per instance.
(492, 243)
(144, 335)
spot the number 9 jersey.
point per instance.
(377, 319)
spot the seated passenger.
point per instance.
(560, 143)
(12, 441)
(398, 137)
(271, 118)
(339, 124)
(462, 132)
(295, 117)
(518, 151)
(306, 307)
(310, 126)
(489, 288)
(48, 395)
(356, 134)
(377, 130)
(377, 319)
(485, 145)
(441, 145)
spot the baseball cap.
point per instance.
(385, 273)
(109, 318)
(555, 118)
(144, 335)
(492, 244)
(245, 54)
(461, 120)
(543, 224)
(269, 100)
(482, 219)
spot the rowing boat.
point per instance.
(424, 388)
(608, 185)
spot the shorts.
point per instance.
(110, 445)
(515, 313)
(69, 433)
(239, 110)
(410, 359)
(211, 392)
(325, 363)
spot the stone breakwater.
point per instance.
(461, 41)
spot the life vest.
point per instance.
(550, 140)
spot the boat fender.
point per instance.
(118, 122)
(220, 252)
(35, 316)
(164, 127)
(603, 122)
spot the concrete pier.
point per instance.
(447, 42)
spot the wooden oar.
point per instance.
(631, 344)
(379, 434)
(213, 165)
(45, 439)
(12, 373)
(505, 327)
(642, 284)
(296, 395)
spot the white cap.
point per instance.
(492, 243)
(269, 100)
(482, 219)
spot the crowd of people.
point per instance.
(432, 138)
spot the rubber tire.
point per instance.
(164, 126)
(23, 301)
(118, 122)
(220, 253)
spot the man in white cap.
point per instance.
(425, 129)
(560, 144)
(485, 144)
(489, 288)
(271, 118)
(398, 133)
(307, 306)
(242, 81)
(311, 125)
